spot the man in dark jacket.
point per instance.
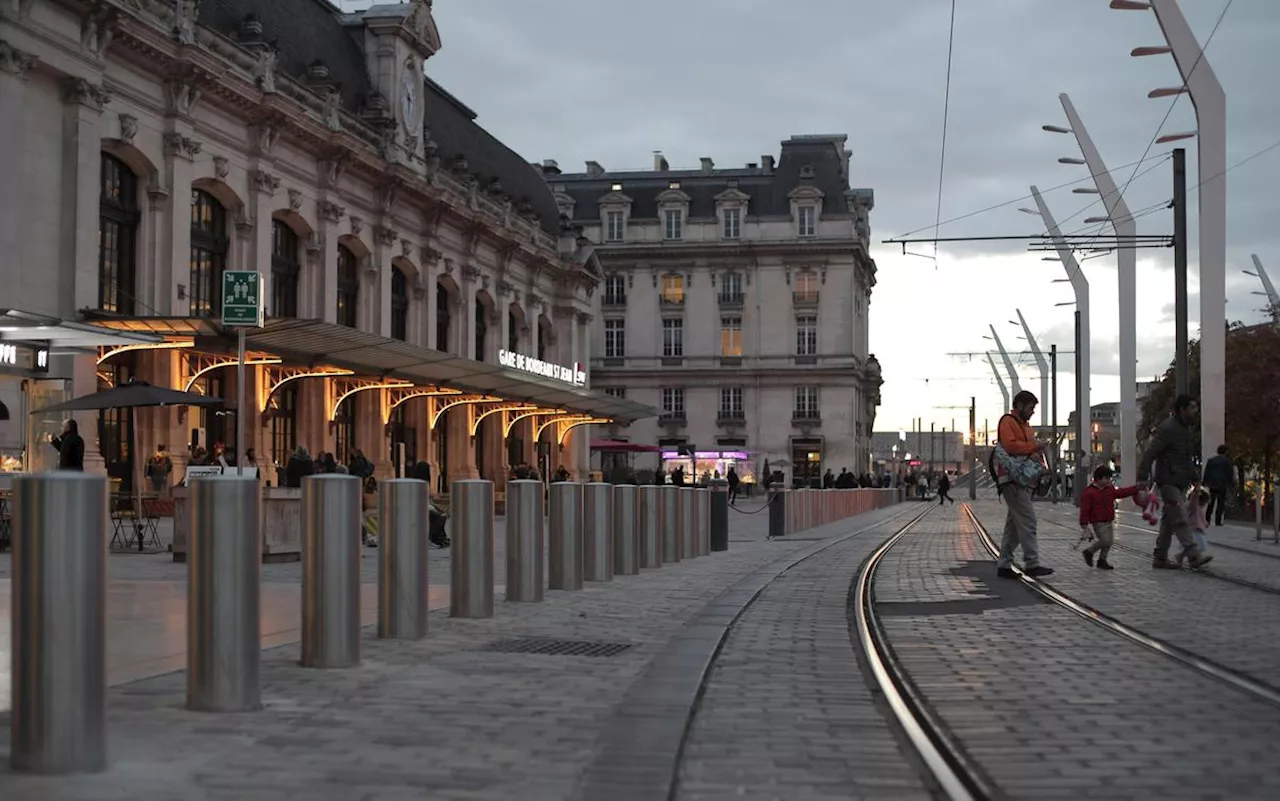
(1219, 478)
(1171, 451)
(70, 447)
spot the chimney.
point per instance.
(594, 169)
(660, 162)
(550, 167)
(767, 161)
(707, 164)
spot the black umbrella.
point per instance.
(132, 395)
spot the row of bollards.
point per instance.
(593, 532)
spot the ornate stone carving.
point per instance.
(97, 29)
(264, 67)
(181, 94)
(585, 318)
(175, 144)
(428, 255)
(484, 282)
(357, 225)
(331, 171)
(267, 183)
(128, 128)
(85, 93)
(505, 288)
(221, 167)
(471, 272)
(184, 20)
(331, 111)
(563, 312)
(406, 248)
(14, 61)
(330, 211)
(295, 199)
(387, 197)
(538, 302)
(384, 236)
(371, 268)
(265, 136)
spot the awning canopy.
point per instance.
(21, 326)
(315, 343)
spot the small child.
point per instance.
(1098, 512)
(1197, 505)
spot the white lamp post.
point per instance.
(1004, 390)
(1126, 269)
(1015, 384)
(1268, 288)
(1041, 363)
(1210, 103)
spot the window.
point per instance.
(615, 229)
(731, 403)
(118, 217)
(732, 223)
(442, 318)
(285, 270)
(399, 305)
(673, 402)
(616, 392)
(284, 424)
(673, 224)
(672, 337)
(731, 288)
(208, 254)
(615, 290)
(673, 290)
(615, 339)
(482, 329)
(807, 336)
(513, 331)
(344, 429)
(806, 288)
(806, 403)
(731, 336)
(348, 286)
(806, 217)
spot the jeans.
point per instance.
(1174, 523)
(1019, 527)
(1106, 533)
(1217, 505)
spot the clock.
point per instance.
(409, 96)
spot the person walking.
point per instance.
(1219, 479)
(1171, 453)
(1098, 512)
(1016, 436)
(944, 487)
(70, 447)
(734, 482)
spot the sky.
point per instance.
(614, 81)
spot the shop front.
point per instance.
(25, 387)
(700, 466)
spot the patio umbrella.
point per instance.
(132, 395)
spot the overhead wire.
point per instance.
(946, 113)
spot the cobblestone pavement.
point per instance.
(439, 718)
(1236, 626)
(1051, 706)
(787, 712)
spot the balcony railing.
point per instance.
(614, 300)
(805, 297)
(672, 418)
(731, 417)
(672, 300)
(806, 416)
(730, 300)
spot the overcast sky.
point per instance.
(614, 81)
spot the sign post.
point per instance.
(241, 309)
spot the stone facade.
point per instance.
(736, 301)
(151, 144)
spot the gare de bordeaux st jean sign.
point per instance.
(573, 376)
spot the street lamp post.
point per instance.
(1080, 285)
(1210, 103)
(1268, 288)
(1008, 363)
(1004, 390)
(1041, 363)
(1127, 279)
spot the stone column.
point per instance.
(583, 434)
(384, 239)
(81, 173)
(260, 210)
(466, 328)
(430, 288)
(324, 281)
(504, 317)
(15, 65)
(462, 457)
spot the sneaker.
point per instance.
(1104, 565)
(1164, 564)
(1040, 570)
(1006, 572)
(1201, 560)
(1088, 558)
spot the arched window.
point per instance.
(513, 332)
(399, 304)
(285, 270)
(442, 318)
(482, 329)
(348, 286)
(118, 217)
(208, 254)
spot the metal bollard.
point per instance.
(670, 523)
(525, 539)
(597, 530)
(59, 658)
(702, 542)
(471, 577)
(224, 594)
(331, 513)
(649, 501)
(688, 522)
(719, 523)
(777, 513)
(566, 540)
(626, 534)
(403, 521)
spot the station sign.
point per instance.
(573, 374)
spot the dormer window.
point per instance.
(615, 211)
(615, 226)
(806, 200)
(806, 220)
(731, 207)
(673, 224)
(733, 223)
(673, 210)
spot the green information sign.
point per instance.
(242, 298)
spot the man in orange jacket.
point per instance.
(1018, 439)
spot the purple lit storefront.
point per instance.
(710, 463)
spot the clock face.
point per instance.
(409, 97)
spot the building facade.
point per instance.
(735, 301)
(422, 297)
(908, 451)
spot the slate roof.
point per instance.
(768, 189)
(307, 30)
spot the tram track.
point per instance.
(1240, 681)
